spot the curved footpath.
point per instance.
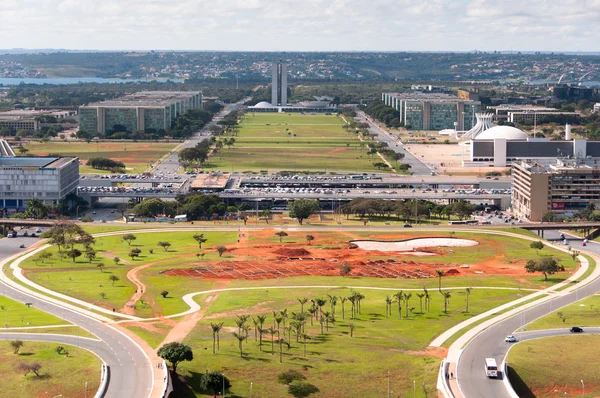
(130, 369)
(113, 337)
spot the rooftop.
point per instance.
(26, 162)
(210, 181)
(147, 98)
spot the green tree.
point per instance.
(200, 239)
(216, 328)
(447, 296)
(281, 235)
(467, 294)
(546, 265)
(290, 376)
(129, 238)
(537, 245)
(100, 266)
(302, 209)
(420, 296)
(117, 260)
(36, 209)
(439, 273)
(309, 239)
(74, 253)
(266, 213)
(175, 353)
(164, 293)
(213, 383)
(164, 245)
(345, 269)
(113, 279)
(221, 249)
(16, 345)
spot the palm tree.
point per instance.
(278, 320)
(332, 302)
(216, 328)
(399, 296)
(281, 341)
(240, 322)
(261, 331)
(284, 315)
(240, 338)
(420, 296)
(427, 299)
(343, 300)
(447, 296)
(352, 300)
(321, 322)
(320, 303)
(467, 293)
(302, 301)
(407, 297)
(327, 316)
(255, 322)
(388, 306)
(312, 311)
(440, 273)
(351, 326)
(274, 317)
(271, 331)
(304, 337)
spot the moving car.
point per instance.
(576, 329)
(510, 339)
(407, 226)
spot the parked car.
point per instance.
(510, 339)
(407, 226)
(576, 329)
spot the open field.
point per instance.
(60, 375)
(294, 142)
(582, 313)
(338, 364)
(136, 155)
(555, 366)
(15, 314)
(256, 258)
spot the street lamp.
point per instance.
(250, 389)
(388, 384)
(86, 389)
(223, 376)
(6, 322)
(414, 388)
(583, 388)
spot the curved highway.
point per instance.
(130, 368)
(490, 343)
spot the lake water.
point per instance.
(9, 81)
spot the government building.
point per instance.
(433, 111)
(146, 111)
(48, 179)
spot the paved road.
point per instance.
(417, 167)
(490, 343)
(130, 370)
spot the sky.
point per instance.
(302, 25)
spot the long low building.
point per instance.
(146, 111)
(47, 179)
(561, 187)
(499, 146)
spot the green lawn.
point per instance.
(555, 366)
(296, 143)
(153, 337)
(339, 365)
(59, 376)
(135, 155)
(581, 313)
(16, 314)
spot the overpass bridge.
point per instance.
(99, 182)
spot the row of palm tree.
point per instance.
(401, 297)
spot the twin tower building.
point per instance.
(279, 84)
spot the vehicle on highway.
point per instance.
(491, 369)
(576, 329)
(407, 226)
(510, 339)
(22, 246)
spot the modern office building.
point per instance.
(562, 186)
(433, 111)
(47, 179)
(29, 120)
(518, 113)
(146, 110)
(279, 84)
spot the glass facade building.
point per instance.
(433, 111)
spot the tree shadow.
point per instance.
(518, 384)
(26, 354)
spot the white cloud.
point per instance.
(391, 25)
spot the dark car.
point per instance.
(407, 226)
(576, 329)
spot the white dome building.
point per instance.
(263, 104)
(502, 132)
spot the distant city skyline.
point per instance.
(310, 25)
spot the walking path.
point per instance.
(140, 288)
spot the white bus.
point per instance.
(491, 369)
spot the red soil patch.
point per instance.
(292, 252)
(336, 150)
(258, 260)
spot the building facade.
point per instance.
(562, 187)
(433, 111)
(46, 179)
(146, 111)
(279, 84)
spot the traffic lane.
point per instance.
(132, 372)
(537, 334)
(490, 344)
